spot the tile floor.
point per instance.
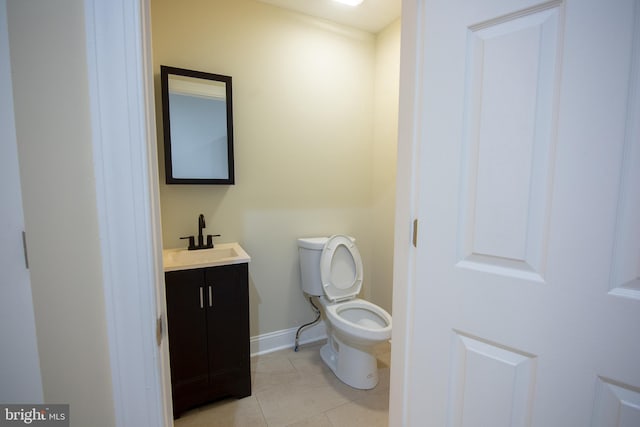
(297, 389)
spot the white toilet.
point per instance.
(332, 270)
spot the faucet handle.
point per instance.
(210, 239)
(192, 242)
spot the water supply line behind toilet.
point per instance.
(317, 311)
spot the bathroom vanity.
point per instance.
(208, 324)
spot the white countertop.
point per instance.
(221, 254)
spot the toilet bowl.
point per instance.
(332, 270)
(359, 321)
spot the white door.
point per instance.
(20, 380)
(524, 298)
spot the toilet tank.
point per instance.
(309, 252)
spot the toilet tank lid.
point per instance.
(312, 242)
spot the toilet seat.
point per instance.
(340, 268)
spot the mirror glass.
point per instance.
(198, 127)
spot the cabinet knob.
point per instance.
(210, 296)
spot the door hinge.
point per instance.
(159, 331)
(415, 233)
(24, 248)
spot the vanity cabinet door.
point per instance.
(228, 327)
(186, 315)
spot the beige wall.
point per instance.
(49, 72)
(308, 158)
(385, 141)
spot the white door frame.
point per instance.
(125, 158)
(404, 254)
(20, 369)
(122, 108)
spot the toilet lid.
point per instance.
(340, 268)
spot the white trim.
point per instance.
(118, 59)
(406, 195)
(193, 86)
(285, 338)
(154, 188)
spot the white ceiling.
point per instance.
(371, 15)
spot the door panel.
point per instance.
(625, 277)
(615, 405)
(490, 385)
(509, 116)
(524, 300)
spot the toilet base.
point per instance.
(356, 367)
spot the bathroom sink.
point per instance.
(222, 254)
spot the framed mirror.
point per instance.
(198, 127)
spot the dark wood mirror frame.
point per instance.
(228, 179)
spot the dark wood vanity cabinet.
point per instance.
(208, 318)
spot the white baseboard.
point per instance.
(285, 338)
